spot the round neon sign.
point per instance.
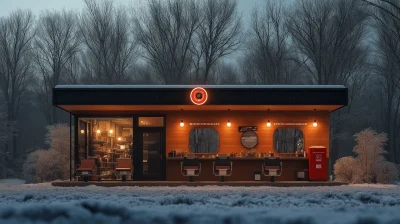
(198, 96)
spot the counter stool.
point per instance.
(222, 167)
(190, 167)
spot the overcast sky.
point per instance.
(7, 6)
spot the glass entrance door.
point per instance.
(149, 158)
(149, 148)
(151, 154)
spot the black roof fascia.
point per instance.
(217, 95)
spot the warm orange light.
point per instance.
(315, 124)
(182, 124)
(82, 131)
(269, 124)
(228, 124)
(98, 131)
(198, 96)
(111, 131)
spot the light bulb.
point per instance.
(119, 138)
(98, 131)
(269, 124)
(111, 131)
(315, 124)
(228, 124)
(82, 131)
(182, 124)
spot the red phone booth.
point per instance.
(317, 163)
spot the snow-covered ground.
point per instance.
(43, 203)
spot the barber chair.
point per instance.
(272, 167)
(190, 167)
(222, 167)
(124, 168)
(86, 169)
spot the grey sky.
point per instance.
(7, 6)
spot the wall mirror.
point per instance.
(288, 140)
(203, 140)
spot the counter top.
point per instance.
(241, 158)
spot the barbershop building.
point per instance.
(199, 133)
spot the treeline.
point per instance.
(355, 43)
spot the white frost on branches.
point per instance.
(47, 165)
(370, 165)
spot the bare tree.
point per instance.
(219, 34)
(329, 36)
(165, 31)
(56, 44)
(225, 74)
(389, 7)
(16, 36)
(110, 47)
(269, 58)
(387, 69)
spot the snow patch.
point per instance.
(43, 203)
(11, 182)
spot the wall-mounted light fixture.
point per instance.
(82, 131)
(98, 131)
(229, 122)
(182, 123)
(111, 131)
(315, 124)
(119, 138)
(268, 123)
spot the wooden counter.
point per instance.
(241, 158)
(243, 169)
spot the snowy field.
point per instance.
(43, 203)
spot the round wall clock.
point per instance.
(249, 139)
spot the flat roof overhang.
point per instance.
(85, 99)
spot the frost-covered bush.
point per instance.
(29, 167)
(47, 165)
(344, 168)
(387, 172)
(370, 165)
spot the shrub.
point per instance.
(387, 172)
(370, 165)
(344, 167)
(47, 165)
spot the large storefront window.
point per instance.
(106, 140)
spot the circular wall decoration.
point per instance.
(198, 96)
(249, 139)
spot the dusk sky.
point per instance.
(7, 6)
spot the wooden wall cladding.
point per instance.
(177, 137)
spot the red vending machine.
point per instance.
(317, 163)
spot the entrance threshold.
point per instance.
(196, 184)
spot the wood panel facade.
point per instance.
(229, 137)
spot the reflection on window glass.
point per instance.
(105, 140)
(288, 140)
(203, 140)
